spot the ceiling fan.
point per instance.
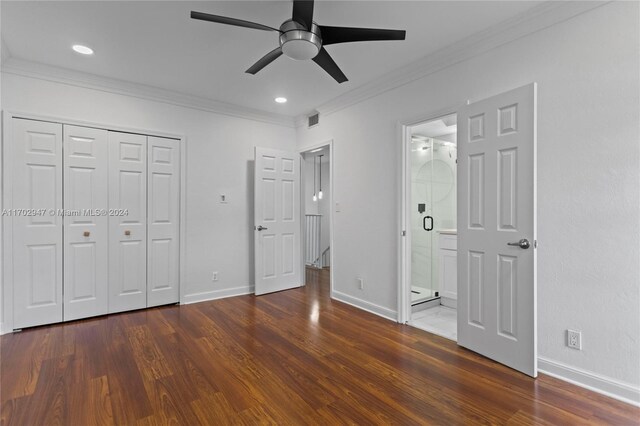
(301, 38)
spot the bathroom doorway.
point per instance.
(431, 166)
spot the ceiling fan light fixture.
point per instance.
(300, 50)
(301, 38)
(298, 43)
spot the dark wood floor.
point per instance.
(294, 357)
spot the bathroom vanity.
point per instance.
(448, 257)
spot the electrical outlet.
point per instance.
(574, 339)
(360, 283)
(214, 276)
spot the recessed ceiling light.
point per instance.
(82, 49)
(280, 100)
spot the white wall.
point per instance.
(219, 152)
(587, 69)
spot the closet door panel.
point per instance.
(164, 218)
(128, 221)
(85, 222)
(37, 232)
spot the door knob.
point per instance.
(261, 228)
(86, 233)
(127, 232)
(523, 244)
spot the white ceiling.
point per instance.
(157, 44)
(436, 128)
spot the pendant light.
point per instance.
(320, 192)
(315, 198)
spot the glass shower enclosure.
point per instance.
(433, 206)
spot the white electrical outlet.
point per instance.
(214, 276)
(574, 339)
(360, 283)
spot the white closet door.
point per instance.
(37, 239)
(86, 222)
(164, 217)
(128, 222)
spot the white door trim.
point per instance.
(404, 219)
(6, 166)
(332, 204)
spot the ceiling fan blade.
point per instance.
(265, 60)
(229, 21)
(326, 62)
(303, 12)
(334, 35)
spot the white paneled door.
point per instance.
(163, 228)
(37, 224)
(86, 222)
(277, 226)
(127, 222)
(497, 228)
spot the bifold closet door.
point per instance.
(37, 237)
(127, 222)
(86, 222)
(163, 229)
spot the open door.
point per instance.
(277, 220)
(497, 228)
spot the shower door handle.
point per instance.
(424, 223)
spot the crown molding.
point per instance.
(301, 120)
(538, 18)
(91, 81)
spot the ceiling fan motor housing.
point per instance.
(297, 42)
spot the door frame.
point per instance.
(404, 213)
(302, 150)
(6, 202)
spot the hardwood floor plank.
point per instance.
(151, 364)
(214, 409)
(91, 406)
(19, 374)
(49, 404)
(289, 358)
(129, 400)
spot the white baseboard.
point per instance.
(4, 330)
(216, 294)
(365, 306)
(449, 303)
(604, 385)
